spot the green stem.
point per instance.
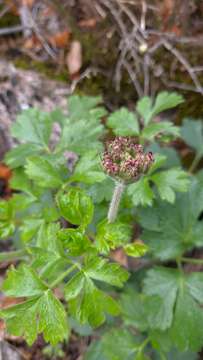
(12, 255)
(192, 261)
(178, 261)
(62, 276)
(115, 201)
(195, 162)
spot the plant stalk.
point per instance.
(62, 276)
(12, 255)
(115, 201)
(192, 261)
(195, 163)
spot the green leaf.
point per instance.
(154, 129)
(21, 320)
(75, 206)
(92, 304)
(134, 309)
(80, 106)
(81, 136)
(43, 172)
(136, 249)
(163, 101)
(88, 169)
(163, 283)
(52, 318)
(171, 230)
(17, 156)
(43, 314)
(74, 286)
(74, 241)
(187, 329)
(192, 134)
(140, 192)
(102, 270)
(110, 236)
(33, 126)
(102, 191)
(95, 351)
(123, 122)
(170, 181)
(23, 282)
(119, 344)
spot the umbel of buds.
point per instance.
(125, 161)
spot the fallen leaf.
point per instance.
(74, 58)
(60, 39)
(88, 23)
(120, 257)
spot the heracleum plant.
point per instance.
(63, 235)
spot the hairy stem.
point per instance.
(12, 255)
(114, 205)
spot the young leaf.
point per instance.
(110, 236)
(136, 249)
(43, 172)
(74, 241)
(75, 206)
(123, 122)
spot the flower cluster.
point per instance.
(125, 160)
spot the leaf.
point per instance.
(110, 236)
(163, 283)
(88, 169)
(136, 249)
(192, 134)
(42, 172)
(23, 282)
(80, 106)
(95, 351)
(119, 344)
(141, 192)
(74, 241)
(111, 273)
(123, 122)
(143, 107)
(52, 318)
(17, 156)
(163, 101)
(91, 305)
(187, 329)
(44, 314)
(154, 129)
(33, 126)
(75, 206)
(170, 181)
(171, 230)
(81, 136)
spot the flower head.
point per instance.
(125, 160)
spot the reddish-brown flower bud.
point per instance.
(125, 160)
